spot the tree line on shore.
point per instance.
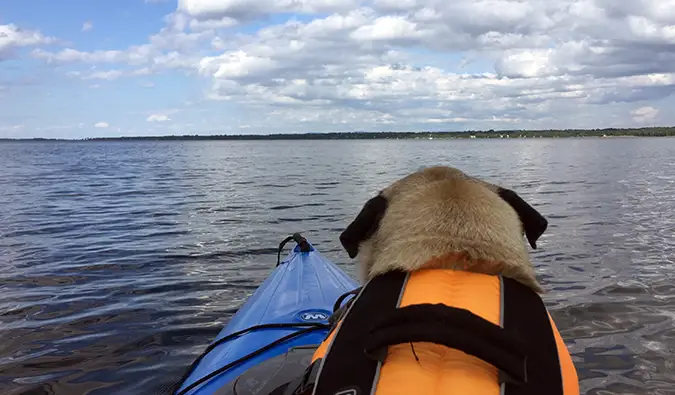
(550, 133)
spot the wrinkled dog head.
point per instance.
(441, 217)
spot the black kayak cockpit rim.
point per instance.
(308, 327)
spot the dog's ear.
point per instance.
(364, 225)
(533, 222)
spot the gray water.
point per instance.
(120, 261)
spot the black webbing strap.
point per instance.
(525, 316)
(455, 328)
(345, 367)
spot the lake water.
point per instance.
(120, 261)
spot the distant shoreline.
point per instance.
(471, 134)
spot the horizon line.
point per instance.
(581, 132)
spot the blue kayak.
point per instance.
(271, 338)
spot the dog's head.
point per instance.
(439, 211)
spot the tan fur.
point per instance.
(440, 216)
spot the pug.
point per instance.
(440, 217)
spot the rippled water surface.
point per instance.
(120, 261)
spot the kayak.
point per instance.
(271, 339)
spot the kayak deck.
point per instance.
(289, 309)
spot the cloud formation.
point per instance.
(158, 118)
(251, 9)
(110, 75)
(101, 125)
(406, 64)
(645, 114)
(12, 38)
(548, 59)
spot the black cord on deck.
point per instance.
(299, 239)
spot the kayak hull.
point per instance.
(302, 290)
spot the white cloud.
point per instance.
(158, 118)
(110, 75)
(236, 64)
(524, 63)
(69, 55)
(86, 26)
(224, 22)
(12, 37)
(246, 9)
(389, 28)
(12, 127)
(101, 125)
(104, 75)
(135, 55)
(645, 114)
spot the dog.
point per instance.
(441, 223)
(440, 217)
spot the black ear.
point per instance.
(533, 222)
(364, 225)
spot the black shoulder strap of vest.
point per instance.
(525, 316)
(345, 368)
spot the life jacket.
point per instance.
(437, 331)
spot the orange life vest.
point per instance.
(440, 331)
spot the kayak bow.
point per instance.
(271, 338)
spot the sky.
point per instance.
(79, 68)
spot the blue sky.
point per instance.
(43, 96)
(74, 69)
